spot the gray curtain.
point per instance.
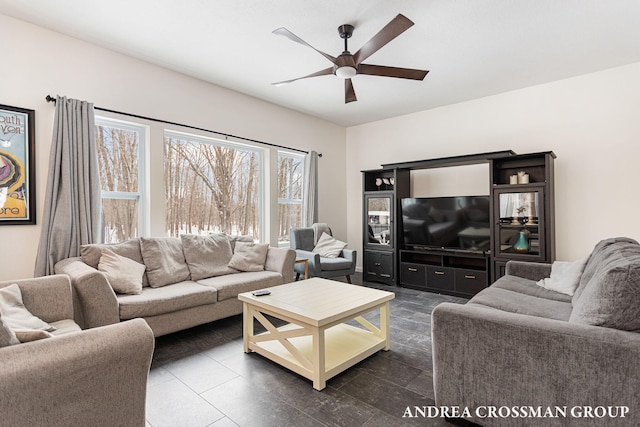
(72, 207)
(310, 197)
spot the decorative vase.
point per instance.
(522, 245)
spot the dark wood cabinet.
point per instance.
(522, 224)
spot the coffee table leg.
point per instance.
(319, 371)
(247, 326)
(384, 325)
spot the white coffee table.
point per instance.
(316, 343)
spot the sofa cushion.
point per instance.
(529, 287)
(522, 303)
(15, 314)
(334, 264)
(600, 254)
(233, 239)
(230, 286)
(65, 326)
(166, 299)
(28, 335)
(124, 274)
(165, 261)
(207, 256)
(611, 297)
(91, 254)
(249, 256)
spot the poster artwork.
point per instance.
(16, 146)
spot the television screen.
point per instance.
(460, 222)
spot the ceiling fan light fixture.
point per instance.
(345, 72)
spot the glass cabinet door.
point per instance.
(379, 209)
(519, 231)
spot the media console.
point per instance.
(455, 272)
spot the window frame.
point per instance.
(279, 201)
(141, 196)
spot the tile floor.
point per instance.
(201, 377)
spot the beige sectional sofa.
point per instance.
(187, 281)
(75, 378)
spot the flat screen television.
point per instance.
(460, 222)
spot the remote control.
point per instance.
(261, 293)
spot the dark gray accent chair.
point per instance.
(302, 241)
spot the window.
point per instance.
(290, 181)
(212, 186)
(121, 162)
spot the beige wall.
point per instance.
(37, 62)
(591, 122)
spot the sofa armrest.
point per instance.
(528, 270)
(94, 299)
(483, 356)
(96, 377)
(47, 297)
(281, 261)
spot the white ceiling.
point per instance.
(473, 48)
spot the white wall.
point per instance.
(38, 62)
(592, 123)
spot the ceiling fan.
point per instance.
(347, 65)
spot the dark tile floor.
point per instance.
(201, 377)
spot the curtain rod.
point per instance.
(50, 98)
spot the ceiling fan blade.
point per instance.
(288, 34)
(401, 73)
(393, 29)
(349, 93)
(324, 72)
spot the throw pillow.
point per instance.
(329, 247)
(207, 256)
(165, 261)
(565, 276)
(236, 238)
(15, 314)
(124, 274)
(28, 335)
(7, 336)
(249, 256)
(91, 254)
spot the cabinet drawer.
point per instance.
(413, 274)
(470, 281)
(440, 278)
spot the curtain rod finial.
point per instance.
(50, 98)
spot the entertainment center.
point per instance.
(457, 244)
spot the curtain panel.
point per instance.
(72, 209)
(310, 195)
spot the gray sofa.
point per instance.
(75, 378)
(518, 345)
(176, 301)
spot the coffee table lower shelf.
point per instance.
(345, 345)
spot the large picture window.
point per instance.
(212, 186)
(290, 179)
(121, 161)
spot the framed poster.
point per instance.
(17, 166)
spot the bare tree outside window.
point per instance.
(211, 186)
(119, 154)
(290, 180)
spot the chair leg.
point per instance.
(297, 276)
(349, 279)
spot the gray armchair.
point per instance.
(302, 241)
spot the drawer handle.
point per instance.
(378, 264)
(468, 276)
(412, 269)
(440, 273)
(385, 275)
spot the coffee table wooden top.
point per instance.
(318, 301)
